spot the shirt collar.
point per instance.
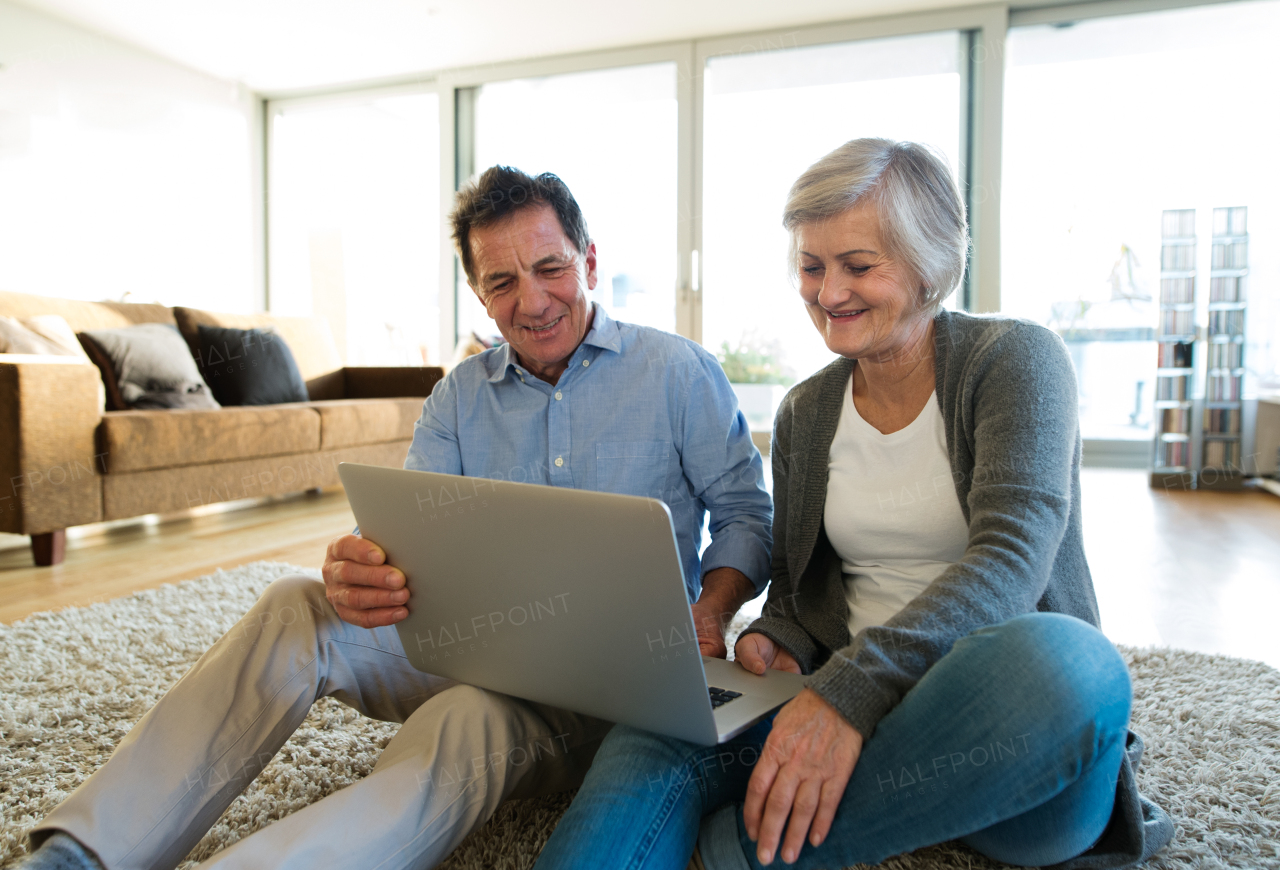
(603, 334)
(503, 358)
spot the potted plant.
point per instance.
(758, 375)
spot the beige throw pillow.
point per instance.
(54, 328)
(17, 338)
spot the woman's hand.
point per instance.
(802, 773)
(755, 652)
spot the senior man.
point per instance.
(572, 399)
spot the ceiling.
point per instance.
(277, 46)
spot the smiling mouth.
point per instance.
(840, 315)
(547, 328)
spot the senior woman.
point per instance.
(928, 572)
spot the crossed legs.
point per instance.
(1012, 742)
(459, 754)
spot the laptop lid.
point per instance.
(561, 596)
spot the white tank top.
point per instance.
(891, 513)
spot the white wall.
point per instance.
(123, 173)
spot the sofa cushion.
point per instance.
(309, 338)
(145, 359)
(139, 440)
(349, 422)
(249, 366)
(175, 489)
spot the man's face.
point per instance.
(535, 284)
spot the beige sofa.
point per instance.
(65, 462)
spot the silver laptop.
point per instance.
(561, 596)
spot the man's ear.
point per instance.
(592, 277)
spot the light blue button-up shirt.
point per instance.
(638, 412)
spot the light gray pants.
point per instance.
(459, 754)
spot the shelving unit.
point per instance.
(1175, 337)
(1224, 342)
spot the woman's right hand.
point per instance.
(755, 652)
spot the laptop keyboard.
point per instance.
(720, 697)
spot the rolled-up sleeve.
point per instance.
(724, 469)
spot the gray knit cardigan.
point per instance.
(1007, 393)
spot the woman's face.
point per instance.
(861, 300)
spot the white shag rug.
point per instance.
(73, 682)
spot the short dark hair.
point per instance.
(500, 192)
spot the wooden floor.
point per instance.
(1196, 570)
(109, 561)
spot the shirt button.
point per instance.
(586, 362)
(559, 395)
(559, 461)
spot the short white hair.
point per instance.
(922, 215)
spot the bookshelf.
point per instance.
(1224, 346)
(1175, 342)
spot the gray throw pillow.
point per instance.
(149, 359)
(188, 395)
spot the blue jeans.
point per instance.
(1011, 743)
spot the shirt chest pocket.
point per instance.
(634, 467)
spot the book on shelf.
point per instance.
(1225, 322)
(1175, 421)
(1178, 258)
(1173, 454)
(1226, 288)
(1222, 421)
(1230, 255)
(1177, 322)
(1222, 454)
(1172, 388)
(1174, 291)
(1226, 355)
(1231, 221)
(1223, 388)
(1178, 222)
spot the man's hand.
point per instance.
(361, 588)
(724, 590)
(802, 773)
(756, 653)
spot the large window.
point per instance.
(768, 116)
(682, 155)
(354, 206)
(1108, 123)
(611, 135)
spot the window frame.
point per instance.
(984, 28)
